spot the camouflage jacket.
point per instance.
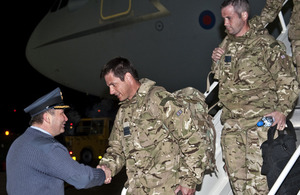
(160, 149)
(294, 30)
(271, 10)
(256, 76)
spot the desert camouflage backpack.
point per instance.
(193, 100)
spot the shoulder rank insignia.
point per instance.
(126, 129)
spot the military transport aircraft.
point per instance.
(169, 41)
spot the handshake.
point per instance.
(107, 172)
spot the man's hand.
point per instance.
(185, 191)
(107, 172)
(280, 119)
(217, 53)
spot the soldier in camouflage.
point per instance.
(294, 34)
(269, 13)
(161, 149)
(256, 79)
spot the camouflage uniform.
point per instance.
(269, 13)
(160, 149)
(271, 10)
(256, 78)
(294, 34)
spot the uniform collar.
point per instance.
(41, 130)
(146, 85)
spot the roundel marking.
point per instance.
(207, 19)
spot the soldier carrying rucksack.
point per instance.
(165, 140)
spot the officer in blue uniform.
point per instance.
(37, 163)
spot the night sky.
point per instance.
(22, 84)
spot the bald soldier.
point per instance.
(256, 79)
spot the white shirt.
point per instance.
(41, 130)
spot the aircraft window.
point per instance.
(114, 8)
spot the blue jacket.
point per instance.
(38, 164)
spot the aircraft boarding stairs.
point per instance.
(217, 183)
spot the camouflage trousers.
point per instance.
(150, 191)
(242, 154)
(137, 186)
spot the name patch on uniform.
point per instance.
(179, 112)
(126, 129)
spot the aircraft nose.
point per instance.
(47, 43)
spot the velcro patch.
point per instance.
(227, 58)
(126, 131)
